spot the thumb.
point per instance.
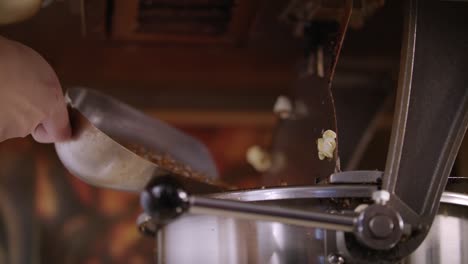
(55, 128)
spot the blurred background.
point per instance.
(212, 68)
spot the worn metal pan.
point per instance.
(99, 153)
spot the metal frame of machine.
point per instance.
(430, 122)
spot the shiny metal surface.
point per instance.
(214, 240)
(303, 192)
(102, 125)
(446, 241)
(377, 226)
(253, 212)
(454, 198)
(217, 239)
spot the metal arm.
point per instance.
(431, 118)
(431, 114)
(164, 199)
(225, 208)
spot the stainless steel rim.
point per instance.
(302, 192)
(454, 198)
(328, 191)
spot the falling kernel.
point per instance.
(326, 145)
(258, 158)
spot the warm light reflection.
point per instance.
(46, 205)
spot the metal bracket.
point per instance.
(356, 177)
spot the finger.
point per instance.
(54, 128)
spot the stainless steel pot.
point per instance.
(446, 241)
(211, 239)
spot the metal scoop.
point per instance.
(98, 151)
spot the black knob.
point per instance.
(164, 199)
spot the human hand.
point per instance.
(31, 98)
